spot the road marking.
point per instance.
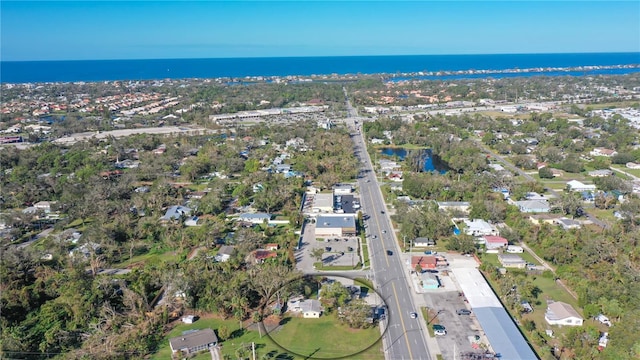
(404, 329)
(378, 226)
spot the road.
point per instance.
(405, 337)
(515, 169)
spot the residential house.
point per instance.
(254, 218)
(423, 242)
(603, 152)
(601, 173)
(193, 341)
(311, 309)
(175, 213)
(449, 206)
(632, 165)
(495, 242)
(193, 221)
(544, 218)
(533, 206)
(283, 168)
(45, 206)
(224, 253)
(560, 313)
(272, 246)
(568, 223)
(478, 227)
(127, 164)
(260, 256)
(575, 185)
(512, 261)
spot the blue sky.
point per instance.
(79, 30)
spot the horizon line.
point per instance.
(327, 56)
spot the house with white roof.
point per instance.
(603, 152)
(560, 313)
(575, 185)
(254, 218)
(478, 227)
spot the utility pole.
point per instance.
(253, 350)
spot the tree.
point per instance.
(357, 314)
(571, 204)
(545, 173)
(224, 333)
(317, 254)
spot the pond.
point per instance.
(430, 161)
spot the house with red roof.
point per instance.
(495, 242)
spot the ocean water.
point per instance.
(99, 70)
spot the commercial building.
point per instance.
(501, 331)
(323, 203)
(335, 225)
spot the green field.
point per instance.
(327, 338)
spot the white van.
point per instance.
(512, 249)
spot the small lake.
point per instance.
(431, 162)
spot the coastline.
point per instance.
(390, 68)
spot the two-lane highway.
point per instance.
(405, 337)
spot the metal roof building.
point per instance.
(503, 334)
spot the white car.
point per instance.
(603, 320)
(414, 315)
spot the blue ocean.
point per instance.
(100, 70)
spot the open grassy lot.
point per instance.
(327, 338)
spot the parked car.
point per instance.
(439, 330)
(430, 252)
(464, 312)
(328, 248)
(603, 320)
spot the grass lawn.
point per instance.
(634, 172)
(318, 266)
(152, 257)
(327, 338)
(529, 258)
(605, 215)
(264, 344)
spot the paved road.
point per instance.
(405, 337)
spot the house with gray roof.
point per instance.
(533, 206)
(560, 313)
(193, 341)
(254, 218)
(175, 213)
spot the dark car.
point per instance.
(381, 211)
(464, 312)
(327, 248)
(389, 252)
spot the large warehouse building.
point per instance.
(329, 225)
(501, 331)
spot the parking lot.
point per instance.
(340, 251)
(337, 251)
(445, 303)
